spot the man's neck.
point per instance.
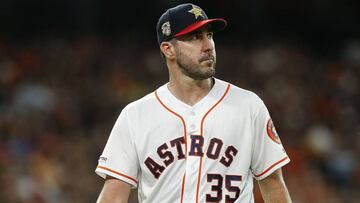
(188, 90)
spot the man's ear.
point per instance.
(167, 49)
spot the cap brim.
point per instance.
(217, 24)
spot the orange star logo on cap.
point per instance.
(196, 11)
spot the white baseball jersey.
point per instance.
(209, 152)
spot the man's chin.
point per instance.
(207, 74)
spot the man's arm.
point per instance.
(273, 188)
(114, 191)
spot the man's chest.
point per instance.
(222, 139)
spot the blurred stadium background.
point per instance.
(67, 68)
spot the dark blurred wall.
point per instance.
(323, 20)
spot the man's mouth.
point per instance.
(207, 58)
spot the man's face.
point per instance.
(195, 54)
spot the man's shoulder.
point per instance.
(142, 102)
(238, 93)
(145, 103)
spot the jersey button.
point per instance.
(192, 113)
(192, 126)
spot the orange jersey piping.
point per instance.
(184, 125)
(118, 173)
(201, 133)
(272, 166)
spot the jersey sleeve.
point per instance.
(119, 158)
(268, 153)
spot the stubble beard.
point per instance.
(194, 70)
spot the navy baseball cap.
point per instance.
(184, 19)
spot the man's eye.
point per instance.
(210, 35)
(194, 37)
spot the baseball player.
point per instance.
(196, 138)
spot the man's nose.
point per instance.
(208, 44)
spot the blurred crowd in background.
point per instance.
(60, 97)
(64, 80)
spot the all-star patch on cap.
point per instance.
(184, 19)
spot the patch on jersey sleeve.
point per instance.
(271, 131)
(102, 159)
